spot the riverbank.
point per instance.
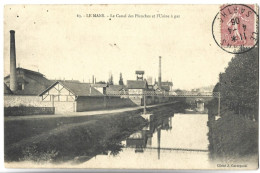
(232, 136)
(65, 138)
(82, 114)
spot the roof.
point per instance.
(78, 89)
(135, 84)
(165, 83)
(31, 88)
(7, 90)
(75, 81)
(27, 72)
(139, 72)
(98, 85)
(115, 88)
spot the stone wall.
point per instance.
(36, 101)
(29, 101)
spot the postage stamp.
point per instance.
(238, 27)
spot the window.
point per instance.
(20, 86)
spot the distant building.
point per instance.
(200, 105)
(165, 86)
(116, 88)
(137, 87)
(149, 80)
(28, 82)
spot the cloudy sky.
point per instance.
(53, 40)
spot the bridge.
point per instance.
(186, 94)
(171, 149)
(164, 94)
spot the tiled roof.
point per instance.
(134, 84)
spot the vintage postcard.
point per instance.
(131, 86)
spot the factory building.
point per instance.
(78, 97)
(27, 88)
(137, 87)
(7, 90)
(28, 82)
(72, 96)
(23, 81)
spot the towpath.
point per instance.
(88, 113)
(61, 129)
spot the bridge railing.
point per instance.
(163, 94)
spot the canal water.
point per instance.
(177, 142)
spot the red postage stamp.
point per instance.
(238, 25)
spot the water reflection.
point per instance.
(178, 142)
(143, 138)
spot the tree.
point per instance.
(239, 83)
(101, 82)
(121, 81)
(110, 80)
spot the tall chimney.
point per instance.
(93, 80)
(13, 80)
(160, 73)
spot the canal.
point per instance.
(179, 141)
(171, 140)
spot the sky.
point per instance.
(51, 39)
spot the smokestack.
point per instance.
(160, 73)
(93, 79)
(13, 80)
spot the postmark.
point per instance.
(235, 28)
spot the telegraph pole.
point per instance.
(219, 104)
(144, 104)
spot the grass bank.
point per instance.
(231, 136)
(65, 138)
